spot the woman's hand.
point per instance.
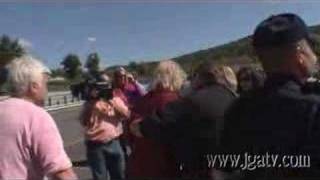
(135, 128)
(120, 107)
(104, 108)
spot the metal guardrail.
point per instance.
(58, 100)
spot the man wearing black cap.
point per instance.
(280, 118)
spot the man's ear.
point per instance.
(302, 60)
(34, 87)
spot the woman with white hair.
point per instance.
(31, 143)
(150, 159)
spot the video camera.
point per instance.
(93, 89)
(103, 90)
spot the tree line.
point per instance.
(72, 67)
(236, 52)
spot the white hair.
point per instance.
(22, 72)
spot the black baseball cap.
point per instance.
(281, 29)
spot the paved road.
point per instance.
(71, 131)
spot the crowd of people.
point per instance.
(167, 130)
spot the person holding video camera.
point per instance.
(102, 118)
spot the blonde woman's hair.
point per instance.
(229, 77)
(211, 73)
(168, 75)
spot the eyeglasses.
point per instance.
(120, 76)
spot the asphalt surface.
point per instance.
(67, 121)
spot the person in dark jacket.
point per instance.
(192, 125)
(280, 118)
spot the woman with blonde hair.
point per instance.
(168, 75)
(150, 159)
(223, 75)
(193, 125)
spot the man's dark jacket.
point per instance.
(281, 118)
(191, 125)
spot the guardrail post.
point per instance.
(50, 101)
(65, 99)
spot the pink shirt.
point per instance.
(105, 127)
(31, 145)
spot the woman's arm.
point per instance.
(86, 114)
(140, 88)
(67, 174)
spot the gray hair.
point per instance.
(22, 72)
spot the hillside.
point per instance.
(234, 53)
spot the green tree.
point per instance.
(92, 63)
(145, 69)
(72, 66)
(9, 49)
(57, 72)
(133, 66)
